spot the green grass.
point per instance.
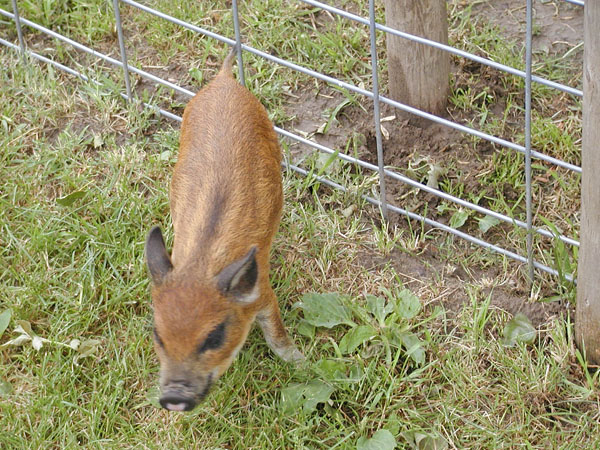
(83, 177)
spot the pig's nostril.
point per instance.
(176, 406)
(174, 403)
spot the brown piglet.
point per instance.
(226, 199)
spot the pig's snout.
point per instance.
(179, 395)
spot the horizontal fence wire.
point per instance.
(100, 55)
(83, 77)
(127, 67)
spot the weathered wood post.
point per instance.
(418, 73)
(587, 316)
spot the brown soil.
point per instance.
(430, 265)
(557, 25)
(412, 149)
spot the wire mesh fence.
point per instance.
(382, 171)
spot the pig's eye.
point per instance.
(214, 339)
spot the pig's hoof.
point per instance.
(293, 355)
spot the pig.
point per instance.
(226, 199)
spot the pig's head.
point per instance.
(199, 324)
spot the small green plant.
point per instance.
(83, 349)
(379, 329)
(4, 320)
(425, 441)
(381, 440)
(518, 329)
(565, 263)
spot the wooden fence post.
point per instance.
(587, 316)
(418, 74)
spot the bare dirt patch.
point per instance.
(310, 113)
(430, 265)
(557, 25)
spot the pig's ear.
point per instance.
(157, 257)
(238, 279)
